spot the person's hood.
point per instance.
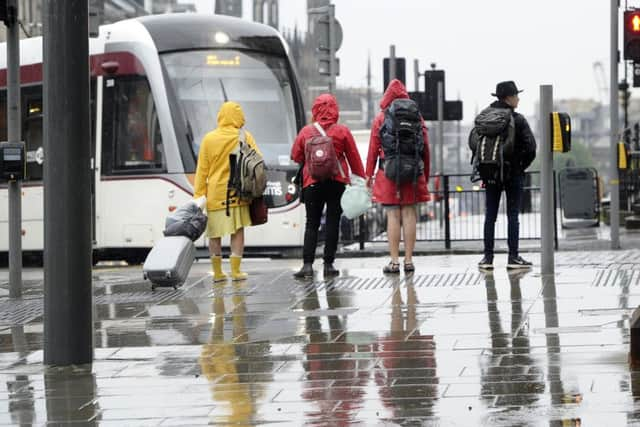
(395, 90)
(325, 110)
(231, 114)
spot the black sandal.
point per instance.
(392, 268)
(409, 267)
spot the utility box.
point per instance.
(12, 161)
(579, 197)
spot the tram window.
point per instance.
(33, 147)
(32, 131)
(133, 129)
(31, 101)
(259, 82)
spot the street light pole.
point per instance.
(14, 136)
(614, 183)
(546, 176)
(332, 50)
(392, 62)
(441, 126)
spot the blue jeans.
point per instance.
(513, 189)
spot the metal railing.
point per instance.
(455, 213)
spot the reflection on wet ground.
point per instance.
(446, 346)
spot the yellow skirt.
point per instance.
(220, 225)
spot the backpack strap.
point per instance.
(323, 133)
(495, 148)
(319, 128)
(242, 139)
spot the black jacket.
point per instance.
(525, 142)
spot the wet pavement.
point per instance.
(446, 346)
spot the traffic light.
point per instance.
(324, 64)
(636, 74)
(453, 110)
(401, 73)
(326, 33)
(632, 35)
(431, 80)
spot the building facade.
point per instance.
(108, 11)
(229, 7)
(266, 12)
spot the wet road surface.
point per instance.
(448, 346)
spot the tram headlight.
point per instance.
(221, 38)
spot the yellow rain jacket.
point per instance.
(212, 172)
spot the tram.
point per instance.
(157, 83)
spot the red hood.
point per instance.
(395, 90)
(325, 110)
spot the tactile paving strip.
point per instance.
(611, 260)
(155, 297)
(616, 278)
(14, 312)
(101, 279)
(24, 311)
(420, 281)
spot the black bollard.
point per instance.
(68, 304)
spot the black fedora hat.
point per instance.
(504, 89)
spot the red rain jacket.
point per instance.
(384, 189)
(325, 112)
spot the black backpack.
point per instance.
(492, 145)
(402, 141)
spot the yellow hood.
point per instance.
(231, 114)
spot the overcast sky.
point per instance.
(477, 43)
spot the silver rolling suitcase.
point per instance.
(169, 261)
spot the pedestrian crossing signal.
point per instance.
(635, 23)
(560, 132)
(632, 35)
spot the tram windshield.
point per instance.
(260, 83)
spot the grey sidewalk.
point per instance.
(446, 346)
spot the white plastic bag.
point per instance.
(356, 198)
(201, 202)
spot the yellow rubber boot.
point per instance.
(216, 264)
(236, 274)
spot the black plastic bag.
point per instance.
(188, 221)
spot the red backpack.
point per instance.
(320, 156)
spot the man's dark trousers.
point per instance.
(513, 188)
(316, 196)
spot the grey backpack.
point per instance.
(247, 174)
